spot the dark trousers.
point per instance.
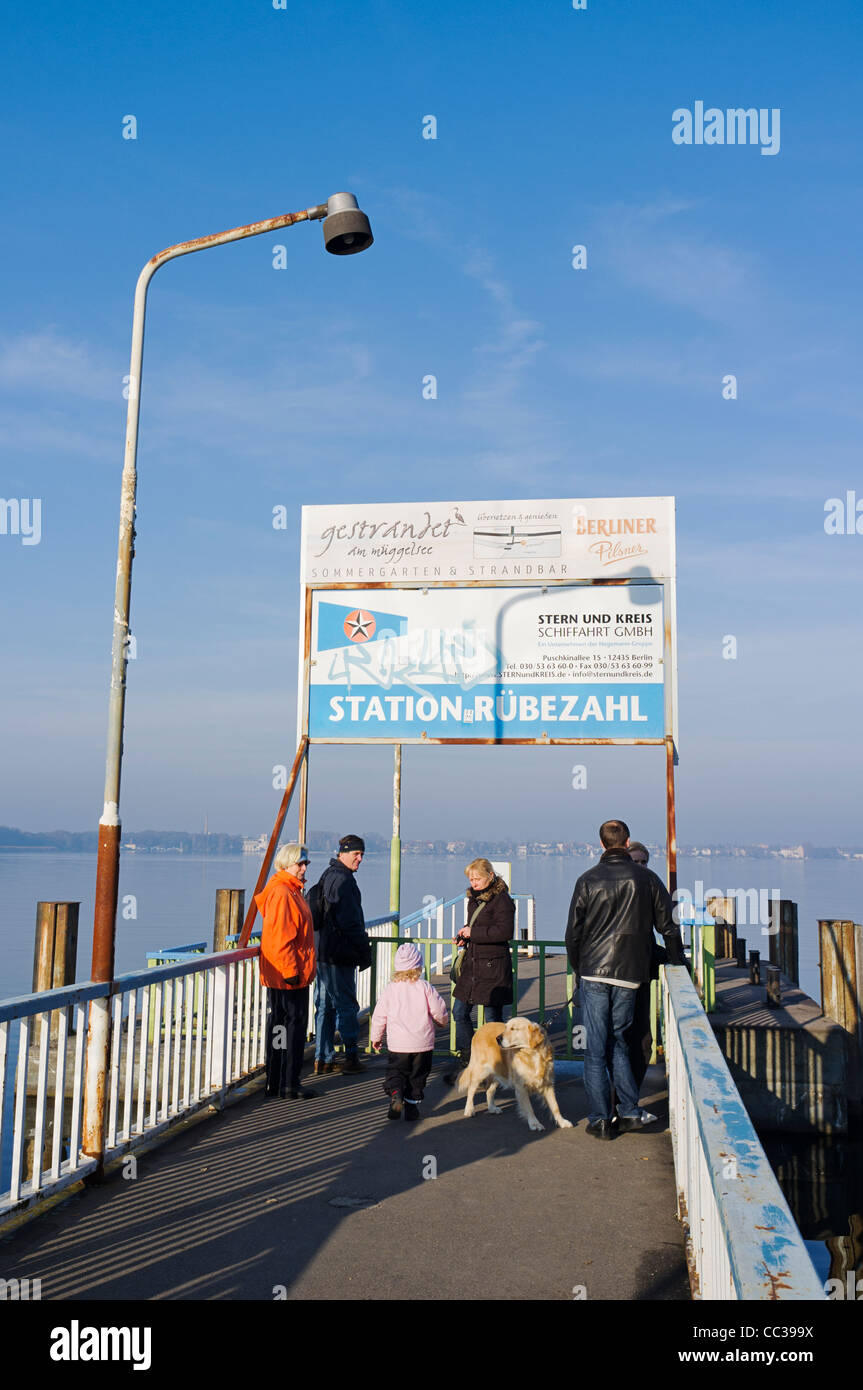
(462, 1013)
(287, 1023)
(635, 1034)
(407, 1073)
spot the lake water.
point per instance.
(172, 897)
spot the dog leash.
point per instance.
(552, 1020)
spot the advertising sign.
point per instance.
(489, 542)
(575, 661)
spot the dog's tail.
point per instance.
(461, 1081)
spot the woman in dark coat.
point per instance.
(486, 975)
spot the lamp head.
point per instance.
(346, 228)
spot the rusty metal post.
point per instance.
(274, 838)
(108, 857)
(841, 959)
(303, 809)
(228, 921)
(670, 817)
(395, 843)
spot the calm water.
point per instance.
(172, 897)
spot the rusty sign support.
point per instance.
(298, 764)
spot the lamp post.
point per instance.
(346, 231)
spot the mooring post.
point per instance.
(841, 957)
(774, 987)
(740, 951)
(724, 913)
(783, 937)
(789, 951)
(55, 951)
(755, 967)
(228, 921)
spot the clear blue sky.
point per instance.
(265, 386)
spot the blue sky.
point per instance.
(265, 386)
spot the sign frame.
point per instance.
(312, 584)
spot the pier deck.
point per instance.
(327, 1199)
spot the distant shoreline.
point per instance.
(576, 852)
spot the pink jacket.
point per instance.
(407, 1011)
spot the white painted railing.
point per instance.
(182, 1035)
(742, 1242)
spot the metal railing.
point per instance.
(703, 962)
(441, 949)
(742, 1241)
(182, 1035)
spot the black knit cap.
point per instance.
(349, 842)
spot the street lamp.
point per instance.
(346, 231)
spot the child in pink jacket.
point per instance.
(407, 1011)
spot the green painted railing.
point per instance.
(428, 944)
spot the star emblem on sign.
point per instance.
(359, 626)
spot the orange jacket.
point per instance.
(287, 937)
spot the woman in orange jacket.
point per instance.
(287, 970)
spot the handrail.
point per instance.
(424, 914)
(47, 1000)
(743, 1242)
(302, 750)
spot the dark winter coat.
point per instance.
(343, 937)
(614, 910)
(486, 976)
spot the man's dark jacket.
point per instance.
(343, 938)
(614, 910)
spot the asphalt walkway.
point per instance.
(327, 1199)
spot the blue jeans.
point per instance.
(336, 1006)
(461, 1012)
(608, 1013)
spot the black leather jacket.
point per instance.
(343, 937)
(614, 909)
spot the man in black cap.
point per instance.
(343, 946)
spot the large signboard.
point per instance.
(482, 542)
(545, 621)
(579, 661)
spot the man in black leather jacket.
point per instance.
(609, 938)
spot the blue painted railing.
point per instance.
(742, 1241)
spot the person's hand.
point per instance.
(291, 981)
(464, 934)
(376, 1046)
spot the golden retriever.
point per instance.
(516, 1054)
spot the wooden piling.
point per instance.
(755, 967)
(740, 951)
(724, 913)
(783, 938)
(230, 911)
(840, 946)
(774, 987)
(55, 952)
